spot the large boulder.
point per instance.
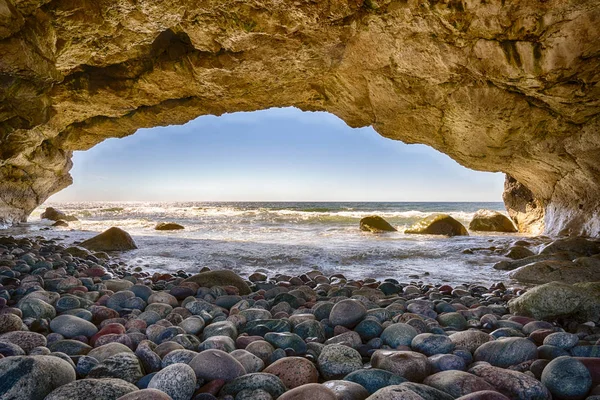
(438, 224)
(168, 226)
(556, 299)
(53, 214)
(112, 239)
(26, 377)
(491, 221)
(584, 269)
(375, 223)
(220, 278)
(578, 245)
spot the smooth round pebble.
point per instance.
(176, 380)
(567, 378)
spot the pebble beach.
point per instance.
(75, 322)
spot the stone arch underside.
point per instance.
(498, 85)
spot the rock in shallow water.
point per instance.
(54, 214)
(375, 223)
(112, 239)
(28, 377)
(168, 226)
(438, 224)
(491, 221)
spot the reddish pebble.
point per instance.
(108, 329)
(212, 387)
(539, 335)
(136, 324)
(593, 365)
(232, 290)
(115, 338)
(94, 272)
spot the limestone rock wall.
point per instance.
(498, 85)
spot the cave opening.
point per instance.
(278, 154)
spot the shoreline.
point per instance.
(283, 248)
(304, 334)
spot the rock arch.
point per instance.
(497, 85)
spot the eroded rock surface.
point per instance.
(498, 86)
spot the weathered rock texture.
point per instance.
(498, 85)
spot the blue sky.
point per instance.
(279, 154)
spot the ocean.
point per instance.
(290, 238)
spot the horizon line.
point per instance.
(272, 201)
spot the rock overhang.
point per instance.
(498, 86)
